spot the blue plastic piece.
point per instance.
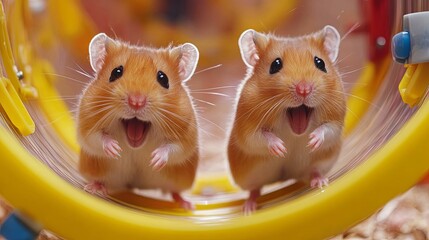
(401, 47)
(15, 229)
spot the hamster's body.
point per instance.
(290, 111)
(137, 126)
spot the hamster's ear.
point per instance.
(331, 42)
(98, 50)
(187, 55)
(251, 44)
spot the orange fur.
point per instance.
(258, 109)
(92, 166)
(183, 174)
(170, 113)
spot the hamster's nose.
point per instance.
(304, 88)
(136, 102)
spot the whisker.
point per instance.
(353, 113)
(103, 120)
(104, 88)
(211, 93)
(352, 71)
(212, 123)
(206, 102)
(178, 117)
(68, 78)
(250, 111)
(48, 123)
(81, 71)
(161, 119)
(207, 69)
(214, 88)
(342, 59)
(338, 105)
(53, 99)
(92, 111)
(354, 27)
(267, 113)
(359, 98)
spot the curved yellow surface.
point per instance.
(75, 215)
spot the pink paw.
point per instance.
(111, 147)
(96, 187)
(249, 207)
(317, 137)
(159, 158)
(319, 182)
(275, 145)
(188, 206)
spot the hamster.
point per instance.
(137, 125)
(289, 112)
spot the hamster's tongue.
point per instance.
(299, 118)
(135, 130)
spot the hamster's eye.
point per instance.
(162, 79)
(320, 64)
(116, 73)
(276, 66)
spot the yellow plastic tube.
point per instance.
(75, 215)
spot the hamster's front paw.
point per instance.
(111, 147)
(317, 137)
(160, 157)
(275, 145)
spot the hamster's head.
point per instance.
(296, 74)
(140, 87)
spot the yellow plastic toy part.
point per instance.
(10, 87)
(364, 91)
(21, 48)
(6, 51)
(413, 86)
(36, 75)
(14, 108)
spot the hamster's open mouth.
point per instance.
(299, 117)
(136, 131)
